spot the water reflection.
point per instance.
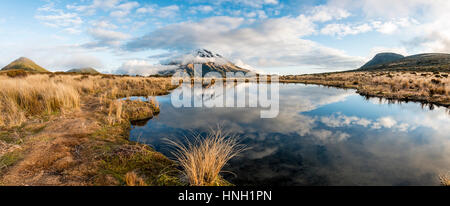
(322, 136)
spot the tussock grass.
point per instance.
(43, 94)
(132, 179)
(408, 86)
(24, 97)
(203, 158)
(155, 104)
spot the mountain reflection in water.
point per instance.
(322, 136)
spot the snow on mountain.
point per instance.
(199, 56)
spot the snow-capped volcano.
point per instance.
(199, 56)
(212, 62)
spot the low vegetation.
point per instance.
(73, 129)
(32, 96)
(202, 158)
(426, 87)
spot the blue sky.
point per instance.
(277, 36)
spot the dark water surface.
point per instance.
(322, 136)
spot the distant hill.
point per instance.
(420, 62)
(87, 70)
(382, 58)
(24, 63)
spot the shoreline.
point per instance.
(424, 88)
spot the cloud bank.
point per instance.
(265, 43)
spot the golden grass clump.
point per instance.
(115, 112)
(154, 103)
(132, 179)
(203, 158)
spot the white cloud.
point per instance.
(162, 12)
(94, 6)
(387, 27)
(326, 136)
(105, 38)
(72, 31)
(325, 13)
(341, 30)
(107, 35)
(251, 3)
(340, 120)
(117, 8)
(50, 16)
(243, 65)
(124, 9)
(268, 42)
(387, 122)
(103, 24)
(386, 8)
(423, 23)
(142, 67)
(147, 9)
(201, 9)
(66, 62)
(60, 19)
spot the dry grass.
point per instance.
(203, 158)
(427, 87)
(30, 96)
(132, 179)
(42, 94)
(55, 130)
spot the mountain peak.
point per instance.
(24, 63)
(211, 62)
(205, 53)
(23, 59)
(199, 56)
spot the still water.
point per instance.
(322, 136)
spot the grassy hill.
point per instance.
(382, 58)
(429, 62)
(88, 70)
(25, 64)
